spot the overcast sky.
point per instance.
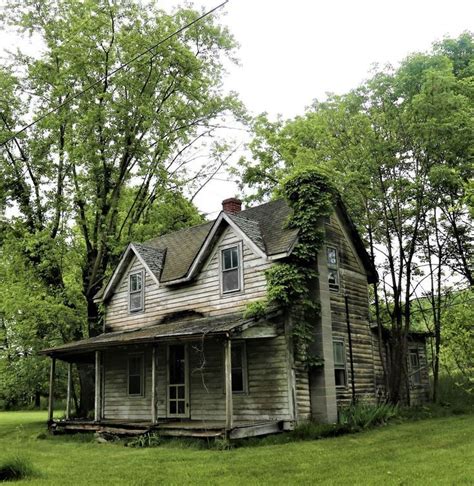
(295, 51)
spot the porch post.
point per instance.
(68, 394)
(228, 384)
(98, 387)
(52, 373)
(153, 384)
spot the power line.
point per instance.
(120, 68)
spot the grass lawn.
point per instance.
(436, 451)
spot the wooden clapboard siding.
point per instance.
(202, 295)
(303, 397)
(353, 283)
(117, 404)
(267, 397)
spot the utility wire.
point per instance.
(120, 68)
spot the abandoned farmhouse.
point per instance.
(177, 354)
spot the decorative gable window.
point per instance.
(231, 269)
(340, 374)
(239, 368)
(414, 365)
(333, 268)
(135, 375)
(135, 292)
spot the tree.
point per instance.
(399, 148)
(102, 164)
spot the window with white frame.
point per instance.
(135, 377)
(340, 373)
(135, 292)
(414, 365)
(231, 269)
(333, 268)
(239, 368)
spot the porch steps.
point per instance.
(121, 430)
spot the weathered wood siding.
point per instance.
(202, 295)
(267, 373)
(353, 283)
(419, 393)
(117, 404)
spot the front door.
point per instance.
(178, 395)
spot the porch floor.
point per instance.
(169, 428)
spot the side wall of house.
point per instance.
(353, 284)
(203, 295)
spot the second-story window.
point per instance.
(135, 292)
(333, 268)
(230, 260)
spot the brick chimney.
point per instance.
(232, 205)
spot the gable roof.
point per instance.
(264, 225)
(176, 257)
(151, 258)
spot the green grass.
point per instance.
(436, 451)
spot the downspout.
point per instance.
(351, 356)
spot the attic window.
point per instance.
(333, 268)
(135, 292)
(230, 265)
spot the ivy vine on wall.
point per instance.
(311, 196)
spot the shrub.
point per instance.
(16, 468)
(363, 416)
(145, 440)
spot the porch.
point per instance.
(199, 378)
(211, 429)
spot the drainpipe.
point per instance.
(351, 356)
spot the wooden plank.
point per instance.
(52, 373)
(68, 392)
(255, 430)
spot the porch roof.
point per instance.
(201, 327)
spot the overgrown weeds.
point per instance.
(364, 416)
(16, 468)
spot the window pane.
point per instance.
(230, 258)
(181, 392)
(230, 280)
(135, 365)
(180, 407)
(172, 407)
(177, 364)
(172, 392)
(332, 256)
(227, 259)
(340, 377)
(237, 356)
(333, 278)
(414, 359)
(134, 385)
(339, 355)
(135, 282)
(136, 301)
(237, 380)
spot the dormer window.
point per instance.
(333, 268)
(231, 269)
(135, 292)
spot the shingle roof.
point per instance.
(265, 225)
(153, 257)
(205, 326)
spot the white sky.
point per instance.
(295, 51)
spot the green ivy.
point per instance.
(312, 197)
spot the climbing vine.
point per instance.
(311, 196)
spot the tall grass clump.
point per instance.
(16, 468)
(364, 415)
